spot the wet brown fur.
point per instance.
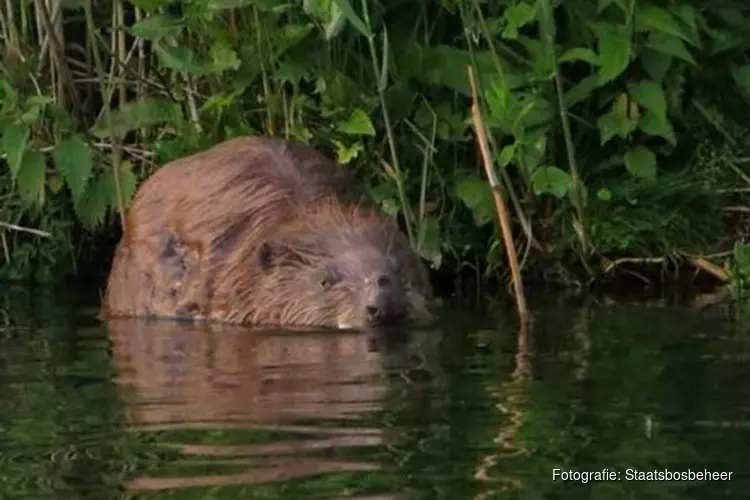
(199, 229)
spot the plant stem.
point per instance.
(502, 212)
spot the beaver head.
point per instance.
(347, 267)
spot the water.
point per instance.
(470, 410)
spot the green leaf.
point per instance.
(182, 59)
(346, 153)
(670, 46)
(476, 194)
(358, 123)
(650, 95)
(614, 52)
(653, 124)
(430, 242)
(741, 75)
(579, 54)
(151, 5)
(128, 183)
(517, 16)
(92, 207)
(621, 120)
(641, 162)
(74, 161)
(138, 114)
(156, 27)
(228, 4)
(30, 178)
(604, 194)
(551, 180)
(623, 4)
(13, 144)
(506, 154)
(652, 18)
(224, 57)
(352, 17)
(445, 66)
(580, 91)
(531, 150)
(656, 64)
(689, 16)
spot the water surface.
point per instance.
(469, 410)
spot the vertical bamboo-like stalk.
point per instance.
(106, 103)
(548, 34)
(141, 75)
(118, 60)
(502, 212)
(11, 35)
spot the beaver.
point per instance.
(264, 231)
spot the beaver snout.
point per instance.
(383, 307)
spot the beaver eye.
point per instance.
(384, 281)
(328, 281)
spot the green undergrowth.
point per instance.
(618, 126)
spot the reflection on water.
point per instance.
(178, 376)
(472, 409)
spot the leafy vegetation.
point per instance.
(617, 125)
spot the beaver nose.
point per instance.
(372, 311)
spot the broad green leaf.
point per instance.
(517, 16)
(152, 5)
(689, 16)
(580, 91)
(15, 138)
(476, 194)
(741, 75)
(650, 95)
(224, 57)
(531, 150)
(650, 17)
(352, 17)
(429, 244)
(335, 26)
(55, 182)
(641, 162)
(670, 46)
(386, 194)
(741, 254)
(506, 154)
(74, 161)
(652, 124)
(623, 4)
(551, 180)
(92, 207)
(156, 27)
(656, 64)
(445, 66)
(613, 43)
(182, 59)
(138, 114)
(30, 178)
(128, 183)
(579, 54)
(621, 120)
(346, 153)
(228, 4)
(358, 123)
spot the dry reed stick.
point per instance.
(502, 212)
(15, 227)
